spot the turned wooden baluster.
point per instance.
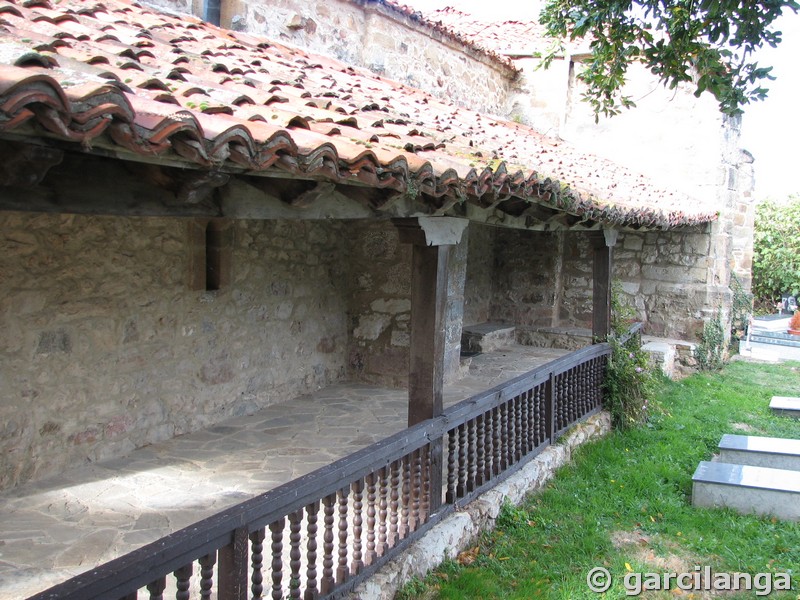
(327, 583)
(312, 510)
(276, 533)
(586, 392)
(488, 438)
(257, 563)
(541, 414)
(559, 402)
(425, 483)
(503, 436)
(574, 394)
(358, 491)
(342, 570)
(405, 504)
(472, 455)
(527, 419)
(295, 524)
(461, 488)
(583, 389)
(569, 399)
(532, 421)
(518, 434)
(156, 588)
(597, 381)
(183, 578)
(480, 466)
(416, 488)
(207, 563)
(371, 553)
(450, 497)
(497, 441)
(522, 415)
(394, 505)
(383, 505)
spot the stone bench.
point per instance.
(747, 489)
(785, 406)
(775, 453)
(486, 337)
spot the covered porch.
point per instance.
(173, 264)
(64, 525)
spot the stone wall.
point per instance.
(535, 279)
(479, 240)
(380, 305)
(106, 347)
(367, 34)
(524, 281)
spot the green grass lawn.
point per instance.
(625, 504)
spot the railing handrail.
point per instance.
(138, 567)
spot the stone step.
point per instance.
(486, 337)
(785, 406)
(757, 451)
(776, 339)
(747, 489)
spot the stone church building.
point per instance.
(198, 221)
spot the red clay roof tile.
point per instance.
(160, 85)
(508, 38)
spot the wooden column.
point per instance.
(602, 246)
(428, 301)
(432, 239)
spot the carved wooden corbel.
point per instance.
(197, 187)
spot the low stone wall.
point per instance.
(459, 530)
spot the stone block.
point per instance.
(785, 406)
(747, 489)
(758, 451)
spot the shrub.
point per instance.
(776, 249)
(630, 380)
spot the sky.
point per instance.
(770, 128)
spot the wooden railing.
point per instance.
(320, 535)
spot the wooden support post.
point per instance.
(601, 288)
(233, 567)
(428, 300)
(431, 238)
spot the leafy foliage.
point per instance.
(741, 308)
(707, 42)
(776, 249)
(630, 379)
(710, 352)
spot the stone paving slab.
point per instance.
(58, 527)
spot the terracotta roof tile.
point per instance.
(162, 86)
(507, 38)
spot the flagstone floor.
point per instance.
(53, 529)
